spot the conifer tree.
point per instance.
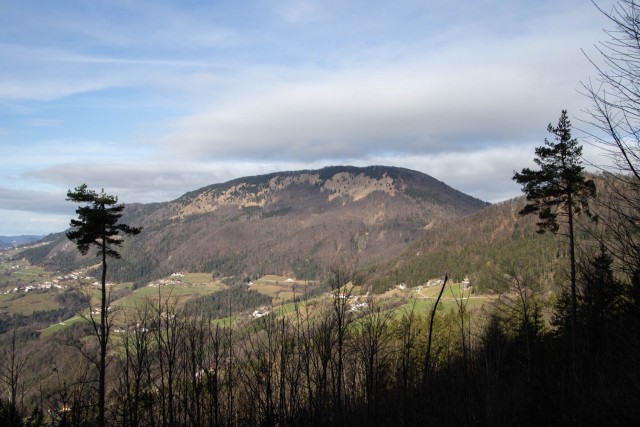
(97, 224)
(558, 191)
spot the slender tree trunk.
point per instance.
(13, 376)
(572, 275)
(427, 357)
(408, 337)
(229, 367)
(103, 338)
(212, 383)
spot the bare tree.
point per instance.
(168, 335)
(340, 283)
(260, 373)
(408, 368)
(133, 366)
(12, 369)
(213, 375)
(615, 111)
(371, 342)
(614, 127)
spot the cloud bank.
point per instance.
(149, 100)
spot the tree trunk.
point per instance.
(427, 357)
(572, 275)
(103, 339)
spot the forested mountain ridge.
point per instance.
(480, 246)
(286, 222)
(494, 241)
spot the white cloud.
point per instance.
(139, 180)
(484, 173)
(412, 110)
(468, 171)
(211, 92)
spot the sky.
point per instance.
(151, 99)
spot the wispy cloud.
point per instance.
(418, 109)
(47, 55)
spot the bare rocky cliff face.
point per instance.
(292, 223)
(244, 195)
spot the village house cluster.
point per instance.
(168, 282)
(47, 285)
(352, 300)
(36, 287)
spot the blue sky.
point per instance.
(151, 99)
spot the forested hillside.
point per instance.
(482, 246)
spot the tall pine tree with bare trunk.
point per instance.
(97, 225)
(558, 191)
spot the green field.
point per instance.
(24, 274)
(195, 284)
(287, 308)
(62, 325)
(424, 306)
(27, 303)
(198, 278)
(276, 292)
(181, 292)
(426, 297)
(450, 291)
(271, 278)
(278, 288)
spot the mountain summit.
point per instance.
(295, 223)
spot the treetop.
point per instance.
(97, 222)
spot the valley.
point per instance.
(25, 289)
(380, 279)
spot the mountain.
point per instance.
(496, 240)
(483, 247)
(294, 223)
(12, 241)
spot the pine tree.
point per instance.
(558, 191)
(97, 224)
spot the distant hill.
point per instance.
(12, 241)
(292, 223)
(482, 246)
